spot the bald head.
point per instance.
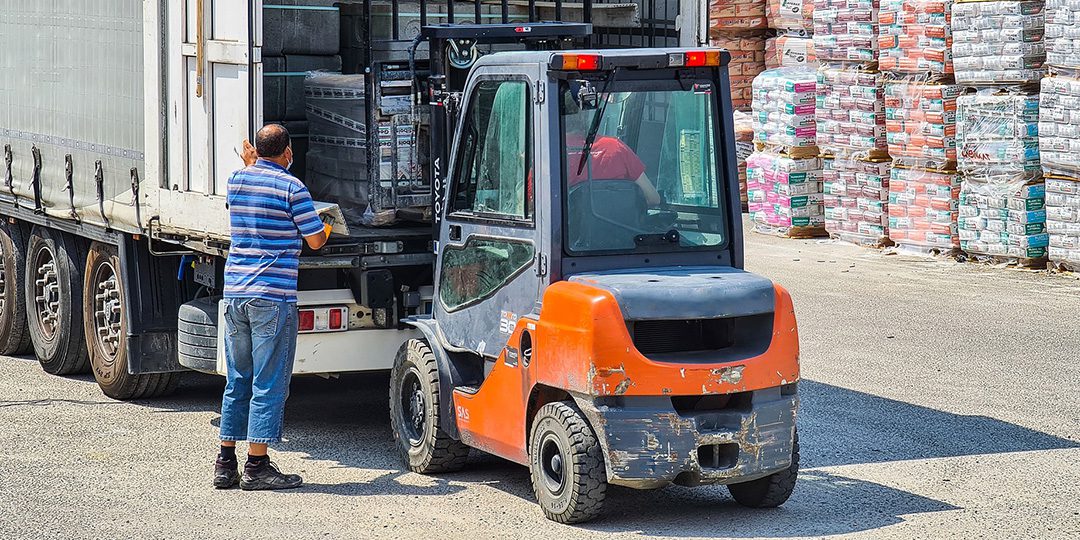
(271, 141)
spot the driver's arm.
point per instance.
(652, 197)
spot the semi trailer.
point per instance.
(539, 224)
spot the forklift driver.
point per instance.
(609, 157)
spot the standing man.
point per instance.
(269, 211)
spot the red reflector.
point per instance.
(335, 319)
(695, 58)
(307, 320)
(586, 62)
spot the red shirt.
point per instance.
(611, 160)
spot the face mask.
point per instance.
(289, 166)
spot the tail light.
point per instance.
(576, 62)
(709, 57)
(323, 319)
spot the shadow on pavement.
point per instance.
(345, 422)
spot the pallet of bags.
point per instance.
(1063, 222)
(998, 42)
(737, 14)
(796, 16)
(1063, 34)
(857, 200)
(1059, 126)
(744, 146)
(1003, 222)
(923, 210)
(915, 38)
(846, 30)
(783, 111)
(785, 195)
(851, 112)
(920, 122)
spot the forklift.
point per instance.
(591, 318)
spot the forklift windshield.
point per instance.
(649, 179)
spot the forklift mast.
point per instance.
(453, 50)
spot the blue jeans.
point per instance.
(260, 343)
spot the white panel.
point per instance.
(231, 97)
(198, 143)
(190, 21)
(230, 19)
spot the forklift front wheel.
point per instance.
(566, 464)
(414, 413)
(771, 491)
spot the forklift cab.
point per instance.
(591, 316)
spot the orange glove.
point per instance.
(327, 227)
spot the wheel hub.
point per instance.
(108, 310)
(47, 295)
(413, 408)
(551, 459)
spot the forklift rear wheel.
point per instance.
(566, 464)
(414, 413)
(14, 328)
(771, 491)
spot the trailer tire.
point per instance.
(105, 328)
(415, 412)
(14, 327)
(770, 491)
(566, 464)
(54, 297)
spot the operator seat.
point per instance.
(605, 214)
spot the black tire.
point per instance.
(105, 329)
(198, 333)
(770, 491)
(54, 300)
(14, 328)
(415, 413)
(566, 464)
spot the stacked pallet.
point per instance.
(793, 44)
(1059, 144)
(740, 27)
(851, 121)
(999, 54)
(784, 176)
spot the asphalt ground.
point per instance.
(939, 400)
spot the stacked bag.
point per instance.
(784, 175)
(793, 45)
(740, 27)
(851, 121)
(1059, 146)
(999, 55)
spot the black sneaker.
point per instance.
(226, 473)
(267, 476)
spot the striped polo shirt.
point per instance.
(270, 211)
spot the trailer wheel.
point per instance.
(566, 464)
(14, 328)
(54, 296)
(771, 491)
(105, 327)
(414, 413)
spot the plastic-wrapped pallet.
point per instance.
(796, 15)
(915, 38)
(1004, 225)
(1063, 221)
(851, 112)
(784, 111)
(1059, 126)
(1063, 34)
(785, 194)
(923, 209)
(787, 50)
(857, 200)
(846, 30)
(920, 120)
(998, 134)
(747, 61)
(998, 42)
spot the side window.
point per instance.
(479, 268)
(494, 165)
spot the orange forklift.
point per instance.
(591, 318)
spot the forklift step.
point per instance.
(471, 390)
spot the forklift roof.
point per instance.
(608, 59)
